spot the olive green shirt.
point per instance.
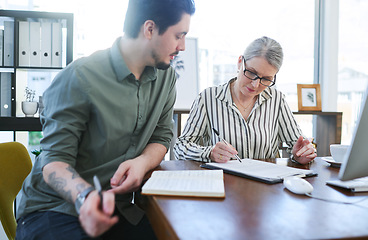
(96, 116)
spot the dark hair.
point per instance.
(164, 13)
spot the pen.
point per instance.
(98, 188)
(217, 133)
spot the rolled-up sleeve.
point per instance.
(64, 118)
(163, 132)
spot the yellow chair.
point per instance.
(15, 165)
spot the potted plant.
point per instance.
(29, 107)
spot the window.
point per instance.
(224, 30)
(352, 62)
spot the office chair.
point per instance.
(15, 165)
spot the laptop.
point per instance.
(353, 174)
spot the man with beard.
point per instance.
(110, 115)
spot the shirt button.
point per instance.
(140, 117)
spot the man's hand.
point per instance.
(66, 181)
(129, 176)
(94, 219)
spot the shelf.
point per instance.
(39, 72)
(37, 68)
(20, 124)
(317, 113)
(328, 129)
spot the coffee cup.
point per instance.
(338, 152)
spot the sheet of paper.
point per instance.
(261, 169)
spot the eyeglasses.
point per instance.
(252, 76)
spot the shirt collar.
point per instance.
(224, 93)
(265, 94)
(121, 69)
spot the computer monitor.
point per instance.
(355, 163)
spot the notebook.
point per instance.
(191, 183)
(355, 185)
(259, 170)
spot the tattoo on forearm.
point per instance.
(59, 184)
(80, 187)
(74, 173)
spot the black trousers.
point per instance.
(53, 225)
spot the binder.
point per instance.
(1, 46)
(8, 43)
(5, 93)
(45, 44)
(24, 47)
(35, 44)
(56, 45)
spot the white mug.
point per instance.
(338, 152)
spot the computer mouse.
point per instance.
(298, 185)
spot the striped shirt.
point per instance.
(269, 123)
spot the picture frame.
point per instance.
(309, 97)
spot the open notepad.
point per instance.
(197, 183)
(259, 170)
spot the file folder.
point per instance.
(56, 45)
(8, 43)
(35, 44)
(45, 44)
(24, 47)
(1, 47)
(5, 94)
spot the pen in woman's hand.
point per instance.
(218, 134)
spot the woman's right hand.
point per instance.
(222, 153)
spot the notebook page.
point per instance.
(186, 182)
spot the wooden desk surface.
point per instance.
(255, 210)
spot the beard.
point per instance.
(162, 65)
(158, 63)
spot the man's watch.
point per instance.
(81, 197)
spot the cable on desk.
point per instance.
(335, 201)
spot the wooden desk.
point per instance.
(255, 210)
